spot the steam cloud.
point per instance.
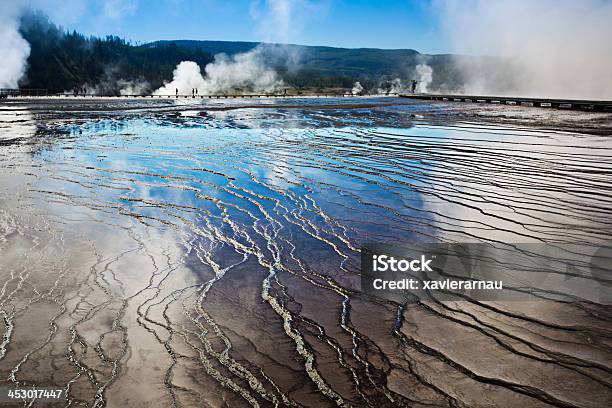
(245, 71)
(357, 88)
(187, 76)
(396, 86)
(137, 87)
(393, 86)
(550, 48)
(15, 50)
(425, 76)
(13, 47)
(252, 70)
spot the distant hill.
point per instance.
(325, 60)
(211, 47)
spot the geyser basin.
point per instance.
(151, 258)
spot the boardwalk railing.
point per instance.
(5, 92)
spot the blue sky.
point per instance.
(341, 23)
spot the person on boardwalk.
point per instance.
(413, 86)
(177, 92)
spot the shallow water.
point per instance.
(186, 256)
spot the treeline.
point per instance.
(65, 61)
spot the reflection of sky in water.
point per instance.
(16, 125)
(167, 163)
(381, 181)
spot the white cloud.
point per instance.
(117, 9)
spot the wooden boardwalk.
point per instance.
(579, 104)
(25, 93)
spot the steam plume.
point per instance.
(136, 87)
(186, 76)
(241, 72)
(425, 75)
(15, 50)
(13, 47)
(550, 48)
(396, 86)
(357, 88)
(252, 70)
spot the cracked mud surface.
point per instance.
(184, 253)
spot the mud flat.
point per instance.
(160, 253)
